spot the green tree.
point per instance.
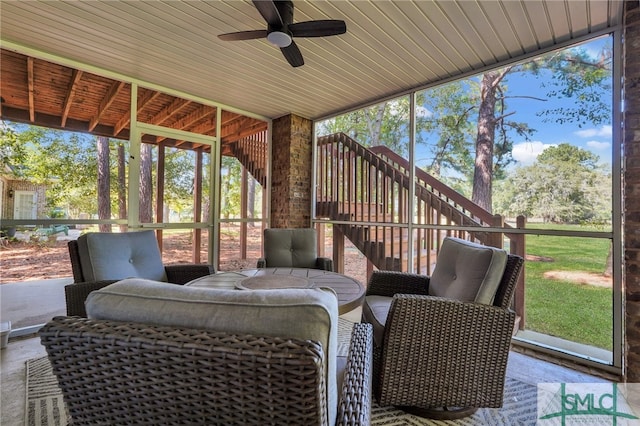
(230, 188)
(566, 184)
(575, 75)
(64, 162)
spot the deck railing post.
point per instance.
(517, 246)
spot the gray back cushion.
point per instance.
(115, 256)
(294, 248)
(467, 271)
(306, 314)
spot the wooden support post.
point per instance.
(244, 190)
(160, 192)
(338, 250)
(497, 238)
(321, 230)
(518, 247)
(197, 206)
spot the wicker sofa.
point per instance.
(440, 351)
(99, 259)
(154, 353)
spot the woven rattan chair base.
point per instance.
(444, 413)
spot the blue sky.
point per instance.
(597, 139)
(523, 89)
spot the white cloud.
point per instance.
(527, 152)
(604, 131)
(422, 111)
(598, 146)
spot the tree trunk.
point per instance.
(146, 184)
(104, 187)
(374, 124)
(122, 186)
(483, 171)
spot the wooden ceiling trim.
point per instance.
(75, 79)
(115, 88)
(31, 88)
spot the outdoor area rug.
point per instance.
(44, 405)
(44, 399)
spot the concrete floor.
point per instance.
(32, 302)
(26, 304)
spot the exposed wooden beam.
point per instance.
(191, 118)
(75, 79)
(115, 88)
(53, 121)
(32, 111)
(147, 97)
(167, 112)
(244, 131)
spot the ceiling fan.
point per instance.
(281, 29)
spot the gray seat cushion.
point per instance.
(293, 248)
(467, 271)
(115, 256)
(464, 271)
(375, 311)
(307, 314)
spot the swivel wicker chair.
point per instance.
(292, 248)
(99, 259)
(441, 343)
(153, 353)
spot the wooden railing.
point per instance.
(252, 152)
(368, 191)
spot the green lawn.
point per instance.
(577, 312)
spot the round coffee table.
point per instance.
(349, 290)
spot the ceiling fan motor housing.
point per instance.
(277, 35)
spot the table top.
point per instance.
(349, 290)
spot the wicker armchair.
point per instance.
(130, 372)
(434, 356)
(292, 248)
(86, 278)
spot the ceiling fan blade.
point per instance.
(243, 35)
(320, 28)
(269, 12)
(293, 55)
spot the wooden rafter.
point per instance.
(170, 110)
(32, 113)
(53, 96)
(244, 131)
(75, 79)
(144, 100)
(185, 122)
(115, 88)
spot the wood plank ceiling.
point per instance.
(44, 93)
(390, 47)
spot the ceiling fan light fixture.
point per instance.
(279, 39)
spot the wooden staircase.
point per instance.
(251, 152)
(365, 193)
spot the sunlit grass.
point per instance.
(578, 312)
